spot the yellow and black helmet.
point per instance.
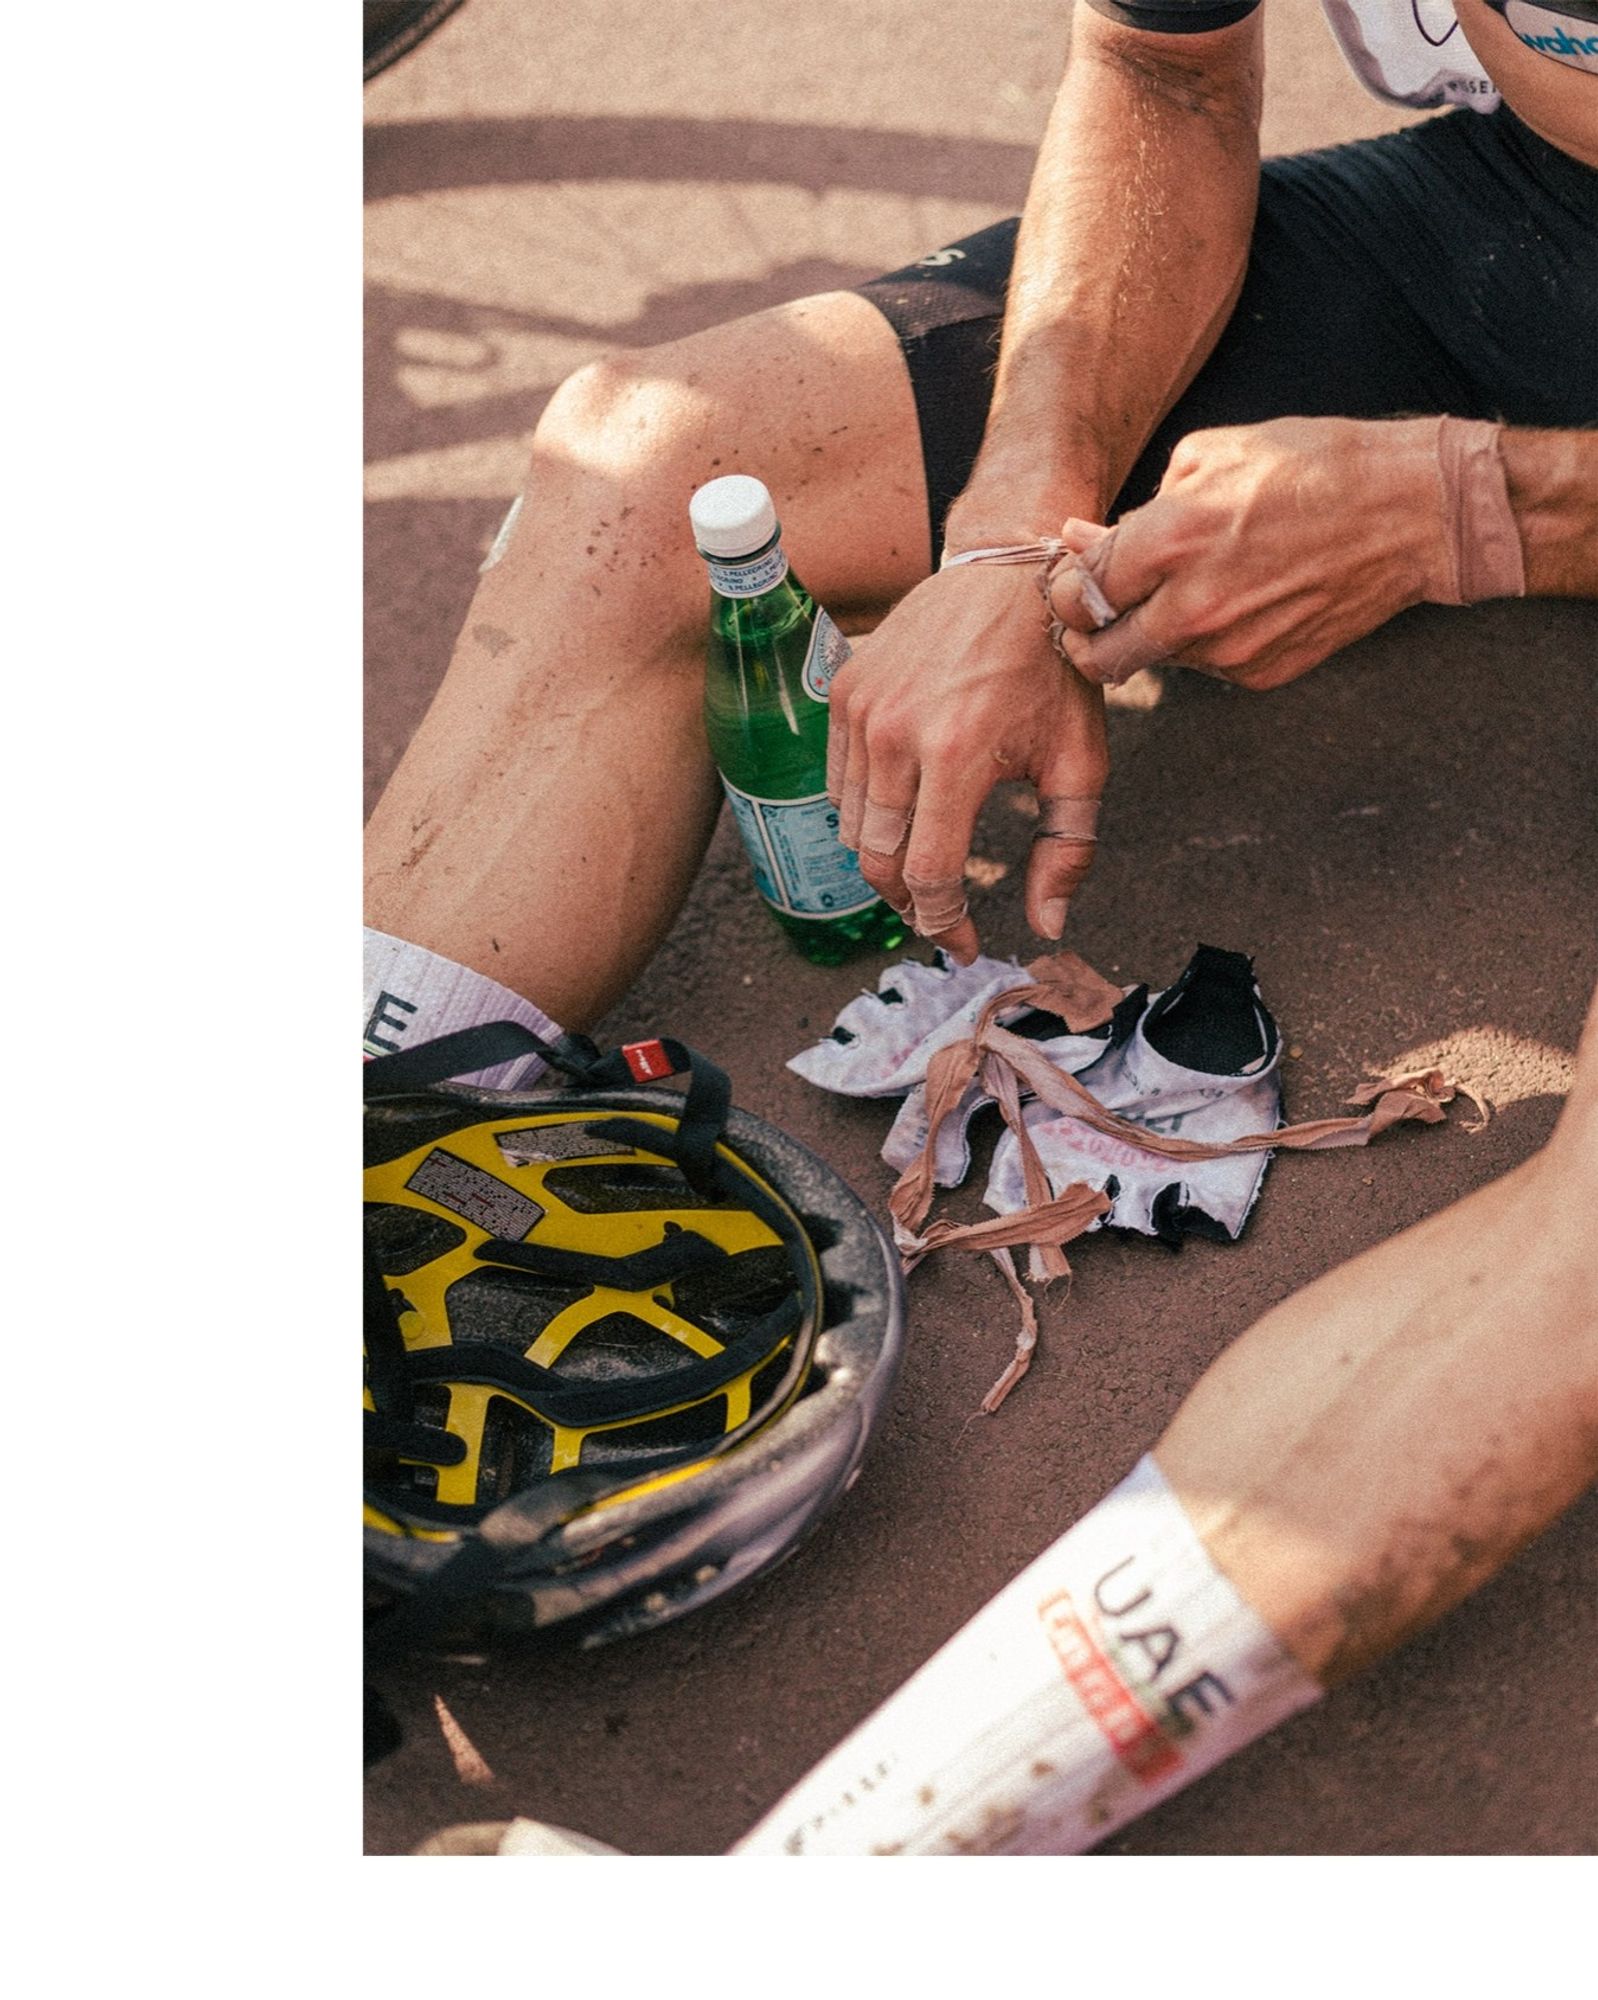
(622, 1347)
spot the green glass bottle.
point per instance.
(772, 657)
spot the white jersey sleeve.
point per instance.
(1410, 52)
(1407, 51)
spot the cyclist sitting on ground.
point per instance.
(1307, 395)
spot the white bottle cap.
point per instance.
(732, 516)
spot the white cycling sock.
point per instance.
(414, 995)
(1114, 1670)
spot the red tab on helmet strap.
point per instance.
(647, 1060)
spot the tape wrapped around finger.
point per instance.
(1121, 650)
(1086, 569)
(937, 906)
(851, 810)
(883, 829)
(1067, 819)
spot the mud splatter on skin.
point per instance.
(493, 639)
(420, 847)
(1428, 1569)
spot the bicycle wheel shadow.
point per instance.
(506, 252)
(431, 154)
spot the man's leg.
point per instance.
(1362, 1458)
(551, 811)
(1382, 1442)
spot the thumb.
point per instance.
(1069, 788)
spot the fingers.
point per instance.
(883, 836)
(851, 797)
(1076, 586)
(884, 828)
(891, 810)
(879, 796)
(1073, 586)
(934, 863)
(1109, 579)
(1069, 788)
(1137, 639)
(1059, 866)
(837, 742)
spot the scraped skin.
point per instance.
(1380, 1444)
(551, 812)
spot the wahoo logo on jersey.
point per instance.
(1567, 30)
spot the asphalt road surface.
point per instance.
(1403, 839)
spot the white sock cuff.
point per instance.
(1114, 1670)
(414, 995)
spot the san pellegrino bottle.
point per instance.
(773, 653)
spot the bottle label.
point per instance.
(800, 867)
(749, 578)
(828, 651)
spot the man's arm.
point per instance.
(1131, 254)
(1130, 258)
(1553, 489)
(1271, 546)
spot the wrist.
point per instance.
(1410, 496)
(1476, 545)
(997, 526)
(1018, 501)
(1552, 481)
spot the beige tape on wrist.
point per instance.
(1480, 535)
(1052, 554)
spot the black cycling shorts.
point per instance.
(1450, 268)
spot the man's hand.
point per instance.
(958, 689)
(1267, 547)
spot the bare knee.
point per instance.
(601, 538)
(637, 425)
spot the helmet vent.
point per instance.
(700, 1424)
(604, 1186)
(747, 1287)
(404, 1239)
(509, 1308)
(620, 1348)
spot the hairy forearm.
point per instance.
(1131, 254)
(1553, 490)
